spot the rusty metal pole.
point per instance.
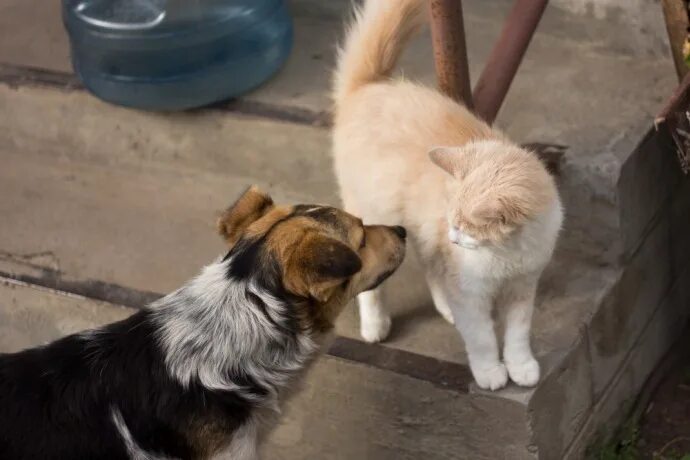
(506, 56)
(675, 119)
(450, 51)
(677, 23)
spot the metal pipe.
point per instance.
(506, 56)
(450, 51)
(677, 23)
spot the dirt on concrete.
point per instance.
(659, 426)
(665, 426)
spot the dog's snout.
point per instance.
(400, 231)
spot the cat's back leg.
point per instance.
(438, 295)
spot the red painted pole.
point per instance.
(506, 56)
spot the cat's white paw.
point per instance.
(375, 329)
(525, 374)
(446, 313)
(491, 378)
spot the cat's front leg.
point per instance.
(516, 302)
(472, 304)
(375, 321)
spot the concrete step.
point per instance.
(572, 89)
(572, 62)
(119, 205)
(345, 409)
(129, 199)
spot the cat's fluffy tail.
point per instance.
(374, 42)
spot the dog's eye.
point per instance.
(364, 241)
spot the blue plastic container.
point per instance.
(176, 54)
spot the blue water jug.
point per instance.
(176, 54)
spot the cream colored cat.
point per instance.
(483, 213)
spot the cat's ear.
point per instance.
(502, 210)
(488, 211)
(445, 158)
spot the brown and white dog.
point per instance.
(193, 375)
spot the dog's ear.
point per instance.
(319, 264)
(251, 206)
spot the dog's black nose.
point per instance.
(400, 231)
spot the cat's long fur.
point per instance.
(484, 214)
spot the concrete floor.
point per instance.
(575, 66)
(111, 199)
(97, 195)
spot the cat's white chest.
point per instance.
(483, 262)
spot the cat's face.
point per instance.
(498, 188)
(478, 218)
(476, 226)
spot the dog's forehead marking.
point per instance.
(283, 227)
(311, 209)
(328, 216)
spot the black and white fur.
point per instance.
(195, 374)
(215, 351)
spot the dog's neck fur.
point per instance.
(216, 328)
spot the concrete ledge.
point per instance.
(647, 310)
